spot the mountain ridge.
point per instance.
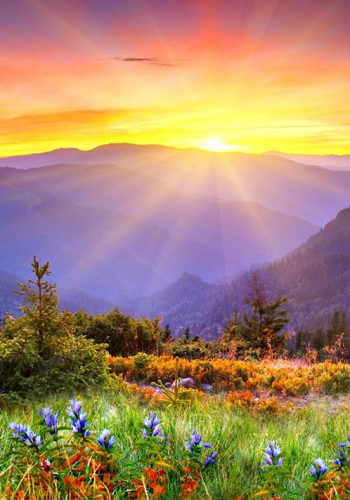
(315, 277)
(145, 217)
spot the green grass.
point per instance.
(238, 437)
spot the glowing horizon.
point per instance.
(254, 75)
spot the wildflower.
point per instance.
(196, 442)
(80, 425)
(25, 435)
(319, 468)
(344, 444)
(105, 439)
(340, 461)
(74, 409)
(78, 419)
(272, 455)
(211, 459)
(50, 419)
(152, 427)
(342, 454)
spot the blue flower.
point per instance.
(319, 468)
(342, 457)
(80, 425)
(151, 421)
(25, 435)
(273, 450)
(211, 459)
(78, 419)
(345, 444)
(339, 462)
(105, 439)
(152, 427)
(74, 409)
(50, 419)
(272, 455)
(196, 442)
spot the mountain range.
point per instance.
(309, 192)
(119, 232)
(332, 162)
(315, 278)
(137, 226)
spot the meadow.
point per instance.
(79, 421)
(142, 465)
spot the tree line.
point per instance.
(47, 348)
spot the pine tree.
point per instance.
(187, 334)
(299, 342)
(338, 325)
(318, 339)
(157, 333)
(167, 336)
(260, 332)
(40, 304)
(42, 350)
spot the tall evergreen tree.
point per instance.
(167, 336)
(261, 331)
(40, 304)
(187, 334)
(42, 350)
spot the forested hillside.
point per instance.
(315, 278)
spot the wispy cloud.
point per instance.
(154, 61)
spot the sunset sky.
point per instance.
(252, 75)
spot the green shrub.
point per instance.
(41, 352)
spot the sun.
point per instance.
(216, 144)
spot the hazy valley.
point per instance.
(160, 231)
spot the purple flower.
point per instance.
(151, 421)
(196, 442)
(211, 459)
(78, 419)
(74, 409)
(80, 425)
(50, 419)
(272, 455)
(273, 450)
(105, 439)
(342, 457)
(152, 427)
(345, 444)
(319, 468)
(25, 435)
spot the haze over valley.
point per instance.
(122, 222)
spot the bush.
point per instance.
(41, 351)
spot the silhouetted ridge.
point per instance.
(315, 277)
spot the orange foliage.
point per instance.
(286, 378)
